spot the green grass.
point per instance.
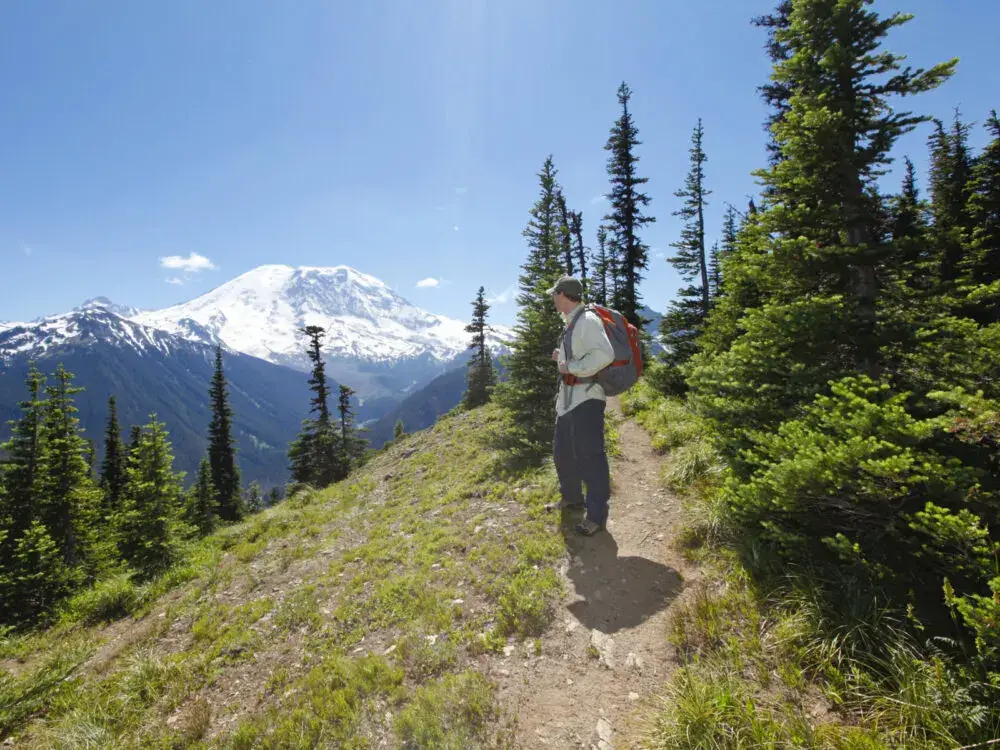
(772, 661)
(350, 610)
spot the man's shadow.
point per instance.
(618, 592)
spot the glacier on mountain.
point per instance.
(261, 312)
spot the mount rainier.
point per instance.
(159, 361)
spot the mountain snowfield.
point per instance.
(261, 312)
(87, 324)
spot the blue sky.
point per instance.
(401, 138)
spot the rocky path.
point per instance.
(603, 663)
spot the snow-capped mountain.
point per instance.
(151, 371)
(260, 313)
(84, 326)
(103, 303)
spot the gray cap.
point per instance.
(569, 286)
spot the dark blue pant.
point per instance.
(580, 458)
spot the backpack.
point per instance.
(626, 368)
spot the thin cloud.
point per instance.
(194, 263)
(504, 297)
(175, 280)
(597, 199)
(27, 250)
(428, 283)
(461, 190)
(455, 227)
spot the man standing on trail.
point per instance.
(578, 449)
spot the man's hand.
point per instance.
(563, 369)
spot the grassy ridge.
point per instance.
(344, 617)
(767, 661)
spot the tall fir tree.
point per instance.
(69, 501)
(134, 436)
(151, 527)
(113, 464)
(565, 233)
(982, 263)
(201, 508)
(730, 238)
(691, 260)
(824, 186)
(576, 229)
(715, 271)
(33, 574)
(686, 315)
(626, 218)
(907, 212)
(802, 291)
(222, 446)
(315, 454)
(26, 463)
(599, 285)
(776, 94)
(912, 270)
(950, 172)
(352, 445)
(528, 395)
(482, 374)
(399, 430)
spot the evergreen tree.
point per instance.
(69, 501)
(776, 93)
(399, 431)
(482, 374)
(89, 456)
(135, 435)
(907, 212)
(113, 465)
(576, 229)
(626, 218)
(912, 272)
(33, 576)
(793, 371)
(254, 501)
(823, 188)
(274, 496)
(528, 395)
(150, 525)
(715, 271)
(26, 463)
(352, 446)
(565, 233)
(950, 171)
(686, 315)
(315, 454)
(982, 263)
(222, 447)
(599, 286)
(202, 505)
(730, 238)
(691, 259)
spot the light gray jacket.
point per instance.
(591, 353)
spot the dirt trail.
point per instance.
(605, 659)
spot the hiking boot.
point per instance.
(588, 527)
(565, 505)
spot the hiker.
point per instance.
(578, 449)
